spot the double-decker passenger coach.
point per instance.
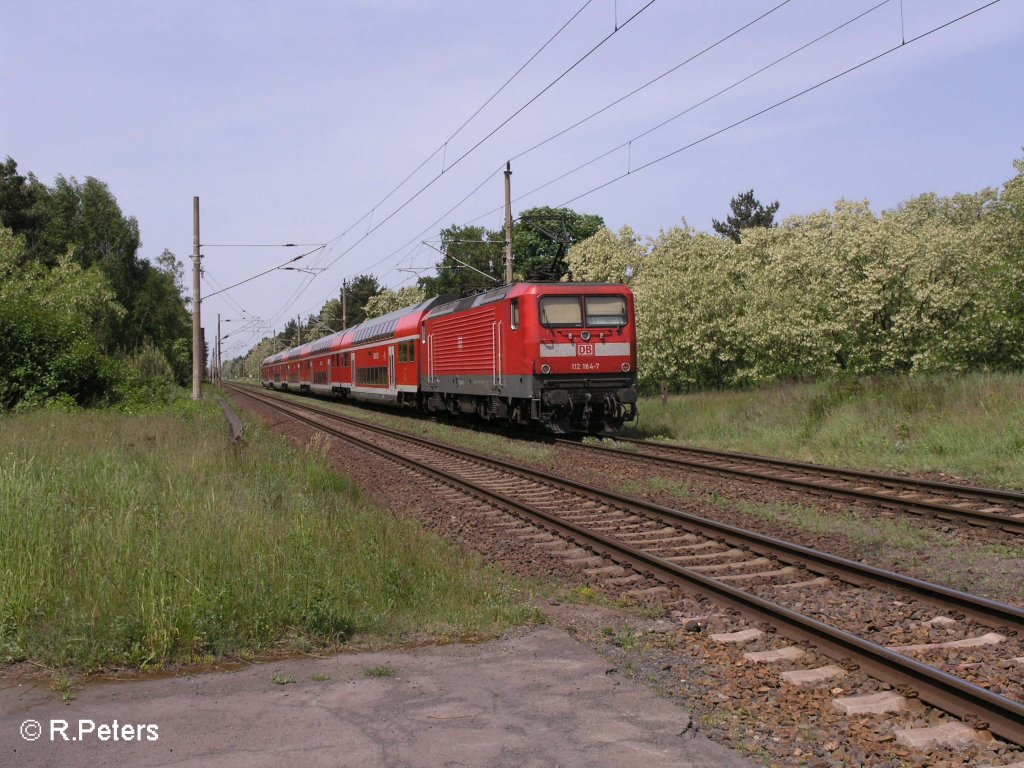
(560, 355)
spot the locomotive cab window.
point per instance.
(577, 311)
(605, 310)
(515, 313)
(561, 312)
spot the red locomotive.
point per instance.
(562, 355)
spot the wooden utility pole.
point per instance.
(344, 304)
(198, 361)
(508, 223)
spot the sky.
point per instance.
(292, 122)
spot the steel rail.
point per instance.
(983, 708)
(1006, 523)
(990, 612)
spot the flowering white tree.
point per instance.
(934, 285)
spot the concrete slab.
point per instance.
(950, 734)
(871, 704)
(537, 698)
(737, 638)
(989, 638)
(788, 653)
(816, 581)
(801, 677)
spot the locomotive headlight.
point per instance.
(545, 368)
(585, 335)
(625, 367)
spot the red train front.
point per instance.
(562, 355)
(559, 354)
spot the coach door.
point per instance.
(391, 369)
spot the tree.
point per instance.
(18, 196)
(48, 349)
(389, 300)
(543, 235)
(471, 262)
(747, 211)
(605, 257)
(360, 290)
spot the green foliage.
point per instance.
(388, 300)
(361, 289)
(964, 425)
(747, 212)
(936, 285)
(472, 262)
(536, 239)
(78, 299)
(48, 347)
(17, 199)
(606, 257)
(474, 259)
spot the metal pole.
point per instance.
(198, 361)
(508, 223)
(344, 304)
(218, 349)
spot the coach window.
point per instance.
(515, 314)
(561, 312)
(402, 357)
(605, 310)
(412, 351)
(344, 360)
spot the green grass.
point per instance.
(148, 539)
(969, 426)
(871, 533)
(382, 671)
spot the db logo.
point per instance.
(584, 349)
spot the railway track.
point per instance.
(902, 631)
(987, 507)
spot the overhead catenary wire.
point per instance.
(617, 101)
(444, 144)
(468, 152)
(652, 81)
(780, 103)
(748, 118)
(369, 214)
(261, 274)
(628, 143)
(493, 131)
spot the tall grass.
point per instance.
(149, 539)
(970, 426)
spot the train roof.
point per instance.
(386, 326)
(374, 329)
(514, 289)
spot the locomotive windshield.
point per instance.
(606, 310)
(570, 311)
